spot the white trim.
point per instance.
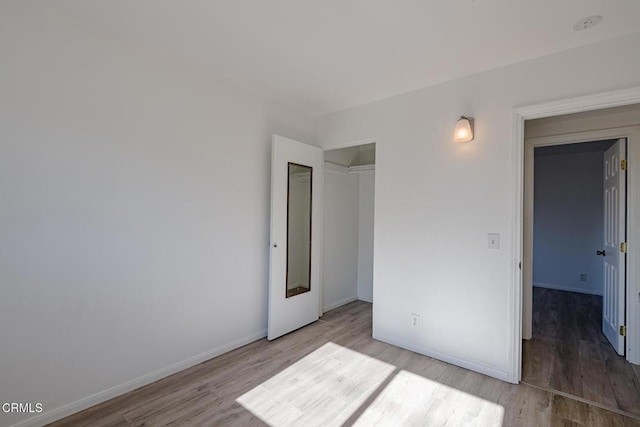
(350, 144)
(60, 412)
(586, 103)
(361, 168)
(566, 288)
(340, 303)
(616, 98)
(464, 363)
(527, 250)
(514, 324)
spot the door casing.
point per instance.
(523, 234)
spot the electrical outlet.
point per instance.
(583, 277)
(415, 320)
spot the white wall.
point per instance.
(568, 222)
(366, 193)
(340, 240)
(436, 200)
(134, 205)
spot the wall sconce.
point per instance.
(464, 130)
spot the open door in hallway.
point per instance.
(613, 303)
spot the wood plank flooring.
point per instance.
(569, 353)
(332, 373)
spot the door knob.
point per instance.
(600, 253)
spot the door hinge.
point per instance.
(623, 165)
(623, 331)
(623, 247)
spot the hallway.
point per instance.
(568, 352)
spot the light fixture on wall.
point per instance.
(464, 130)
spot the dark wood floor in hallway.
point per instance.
(332, 373)
(569, 353)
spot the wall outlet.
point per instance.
(583, 277)
(415, 320)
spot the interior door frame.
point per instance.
(517, 247)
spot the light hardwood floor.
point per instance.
(332, 373)
(569, 353)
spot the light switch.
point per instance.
(493, 241)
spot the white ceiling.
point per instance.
(327, 55)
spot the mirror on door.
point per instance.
(298, 229)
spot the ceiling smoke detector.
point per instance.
(588, 22)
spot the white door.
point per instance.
(297, 178)
(613, 301)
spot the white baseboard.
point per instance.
(565, 288)
(102, 396)
(369, 300)
(339, 303)
(463, 363)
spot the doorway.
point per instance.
(579, 223)
(564, 273)
(577, 294)
(594, 125)
(348, 225)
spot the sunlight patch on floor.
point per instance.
(334, 384)
(411, 399)
(324, 388)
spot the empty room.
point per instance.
(319, 213)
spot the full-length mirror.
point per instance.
(299, 229)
